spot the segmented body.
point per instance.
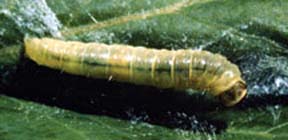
(195, 69)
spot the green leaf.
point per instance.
(85, 11)
(268, 122)
(26, 120)
(10, 57)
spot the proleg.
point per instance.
(179, 69)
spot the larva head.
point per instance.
(234, 94)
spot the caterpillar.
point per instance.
(178, 69)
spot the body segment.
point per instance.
(178, 69)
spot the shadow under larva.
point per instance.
(179, 69)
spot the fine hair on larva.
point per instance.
(178, 69)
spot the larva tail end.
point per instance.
(234, 95)
(29, 42)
